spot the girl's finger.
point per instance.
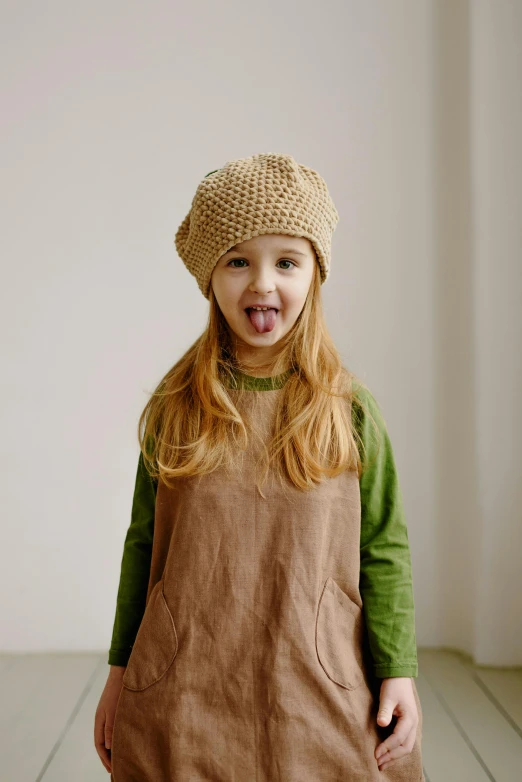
(398, 751)
(401, 732)
(108, 735)
(99, 740)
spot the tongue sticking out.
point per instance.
(262, 320)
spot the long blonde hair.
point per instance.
(191, 426)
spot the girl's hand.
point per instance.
(397, 698)
(104, 718)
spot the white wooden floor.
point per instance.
(472, 718)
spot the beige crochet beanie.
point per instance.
(261, 194)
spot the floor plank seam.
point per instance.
(70, 720)
(459, 727)
(485, 689)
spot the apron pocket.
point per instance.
(339, 636)
(156, 644)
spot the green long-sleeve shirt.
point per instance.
(385, 580)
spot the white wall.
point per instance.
(114, 113)
(496, 152)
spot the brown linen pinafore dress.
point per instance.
(251, 663)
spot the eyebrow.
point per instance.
(288, 250)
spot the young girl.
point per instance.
(264, 628)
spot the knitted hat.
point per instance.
(261, 194)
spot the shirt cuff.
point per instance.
(386, 671)
(119, 656)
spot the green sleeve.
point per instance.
(386, 584)
(135, 567)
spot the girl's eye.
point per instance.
(283, 260)
(234, 260)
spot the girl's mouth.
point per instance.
(262, 320)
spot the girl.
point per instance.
(265, 609)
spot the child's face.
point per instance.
(270, 270)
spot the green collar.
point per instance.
(252, 383)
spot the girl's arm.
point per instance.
(135, 568)
(386, 576)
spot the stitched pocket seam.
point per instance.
(324, 623)
(130, 670)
